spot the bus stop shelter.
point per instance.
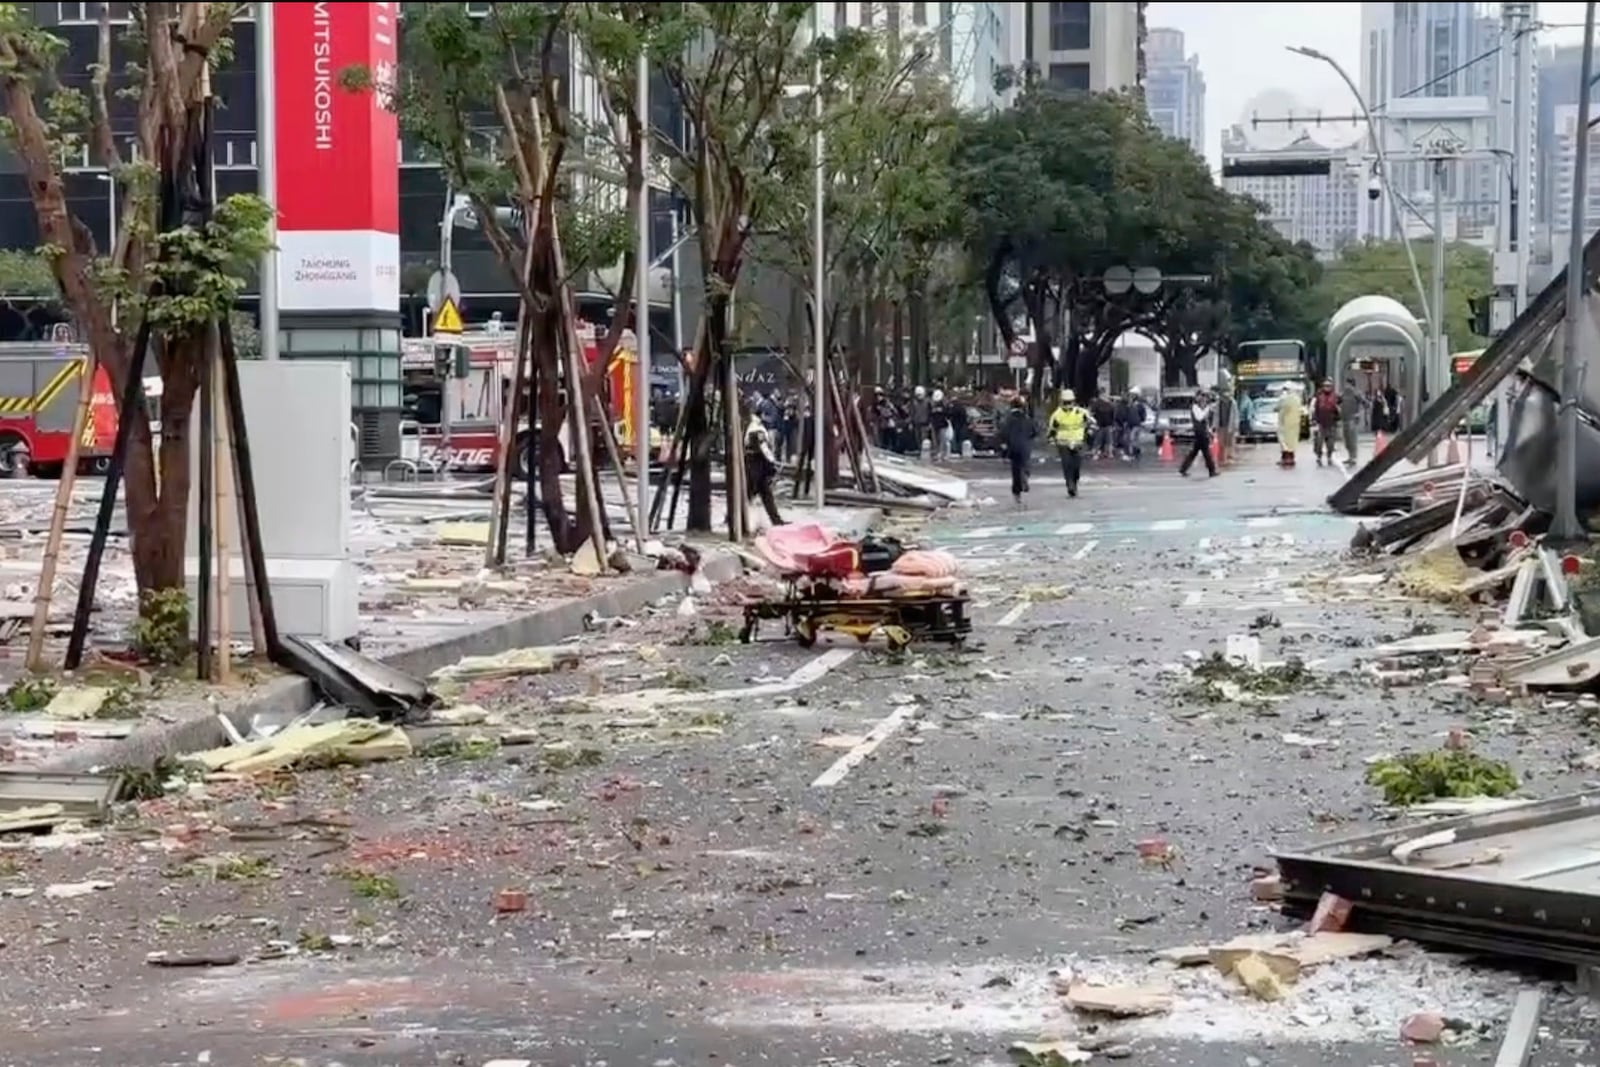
(1379, 334)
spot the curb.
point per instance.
(292, 695)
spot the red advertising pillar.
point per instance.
(338, 203)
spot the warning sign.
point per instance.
(448, 320)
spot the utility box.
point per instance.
(298, 417)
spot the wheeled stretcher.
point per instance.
(826, 589)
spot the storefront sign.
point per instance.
(338, 194)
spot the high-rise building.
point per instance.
(1437, 49)
(1559, 71)
(971, 42)
(1323, 210)
(1174, 89)
(1564, 142)
(1095, 47)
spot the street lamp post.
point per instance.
(1564, 524)
(1413, 400)
(819, 281)
(641, 313)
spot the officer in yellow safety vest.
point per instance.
(1070, 429)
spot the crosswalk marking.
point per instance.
(1017, 549)
(984, 531)
(1088, 547)
(1261, 522)
(1192, 598)
(1168, 524)
(1073, 529)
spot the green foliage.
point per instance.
(29, 694)
(197, 274)
(1063, 186)
(1444, 773)
(25, 275)
(161, 632)
(1381, 268)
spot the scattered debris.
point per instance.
(1418, 776)
(1123, 1002)
(348, 741)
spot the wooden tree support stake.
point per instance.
(58, 518)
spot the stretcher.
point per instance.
(823, 591)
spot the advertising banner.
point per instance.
(338, 156)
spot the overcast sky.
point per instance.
(1242, 52)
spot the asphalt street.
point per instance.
(821, 857)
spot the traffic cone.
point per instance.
(1216, 450)
(1377, 446)
(1164, 453)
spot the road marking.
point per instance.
(1262, 522)
(984, 531)
(646, 699)
(1016, 549)
(1205, 544)
(1192, 598)
(869, 744)
(1073, 529)
(1088, 547)
(1017, 611)
(1168, 524)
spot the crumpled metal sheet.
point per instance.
(1528, 458)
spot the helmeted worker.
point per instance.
(1069, 430)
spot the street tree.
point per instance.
(480, 95)
(891, 125)
(1381, 268)
(728, 67)
(179, 278)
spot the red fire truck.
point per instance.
(39, 386)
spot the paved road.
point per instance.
(842, 859)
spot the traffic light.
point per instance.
(1276, 165)
(1481, 307)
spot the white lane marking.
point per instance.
(1073, 529)
(1192, 598)
(869, 744)
(1168, 524)
(1286, 539)
(1205, 544)
(1088, 547)
(1016, 549)
(984, 531)
(1017, 611)
(1262, 522)
(808, 672)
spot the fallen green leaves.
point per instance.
(1218, 678)
(1414, 777)
(372, 886)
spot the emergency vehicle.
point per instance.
(39, 386)
(455, 392)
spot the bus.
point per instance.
(1263, 369)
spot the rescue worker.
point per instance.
(1017, 435)
(1350, 408)
(1289, 412)
(760, 467)
(1324, 421)
(1069, 430)
(1202, 415)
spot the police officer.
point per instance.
(1070, 427)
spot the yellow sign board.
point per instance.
(448, 320)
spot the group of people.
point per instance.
(902, 422)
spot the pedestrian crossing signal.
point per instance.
(448, 320)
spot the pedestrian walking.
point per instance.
(1324, 422)
(760, 466)
(1070, 427)
(1350, 409)
(1017, 433)
(1201, 414)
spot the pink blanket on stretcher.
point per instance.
(918, 572)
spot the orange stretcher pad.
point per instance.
(810, 550)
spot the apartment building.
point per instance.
(1090, 46)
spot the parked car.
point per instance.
(1173, 417)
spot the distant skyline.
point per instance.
(1242, 58)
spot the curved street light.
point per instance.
(1383, 167)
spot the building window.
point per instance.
(1070, 75)
(919, 14)
(90, 13)
(1069, 27)
(841, 16)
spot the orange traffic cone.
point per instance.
(1164, 453)
(1216, 450)
(1377, 446)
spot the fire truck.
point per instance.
(39, 388)
(455, 396)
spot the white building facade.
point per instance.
(971, 42)
(1175, 89)
(1565, 141)
(1089, 46)
(1324, 211)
